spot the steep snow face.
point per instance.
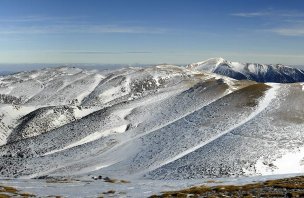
(41, 121)
(209, 65)
(250, 71)
(269, 96)
(266, 139)
(9, 116)
(291, 161)
(162, 122)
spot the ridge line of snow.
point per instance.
(56, 90)
(268, 97)
(83, 95)
(102, 81)
(89, 138)
(99, 167)
(73, 81)
(114, 148)
(159, 127)
(219, 59)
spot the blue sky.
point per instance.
(151, 31)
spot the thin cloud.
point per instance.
(122, 29)
(295, 31)
(39, 18)
(36, 24)
(108, 52)
(270, 13)
(291, 21)
(93, 29)
(251, 14)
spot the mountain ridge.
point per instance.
(251, 71)
(159, 122)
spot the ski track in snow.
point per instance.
(269, 96)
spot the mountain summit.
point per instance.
(250, 71)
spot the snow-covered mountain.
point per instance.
(160, 122)
(250, 71)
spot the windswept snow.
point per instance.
(290, 162)
(209, 65)
(82, 112)
(269, 96)
(158, 122)
(9, 115)
(92, 137)
(97, 135)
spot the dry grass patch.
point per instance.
(213, 181)
(252, 94)
(8, 191)
(4, 195)
(26, 195)
(273, 188)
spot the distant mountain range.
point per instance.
(3, 73)
(250, 71)
(209, 119)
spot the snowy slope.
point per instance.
(250, 71)
(160, 122)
